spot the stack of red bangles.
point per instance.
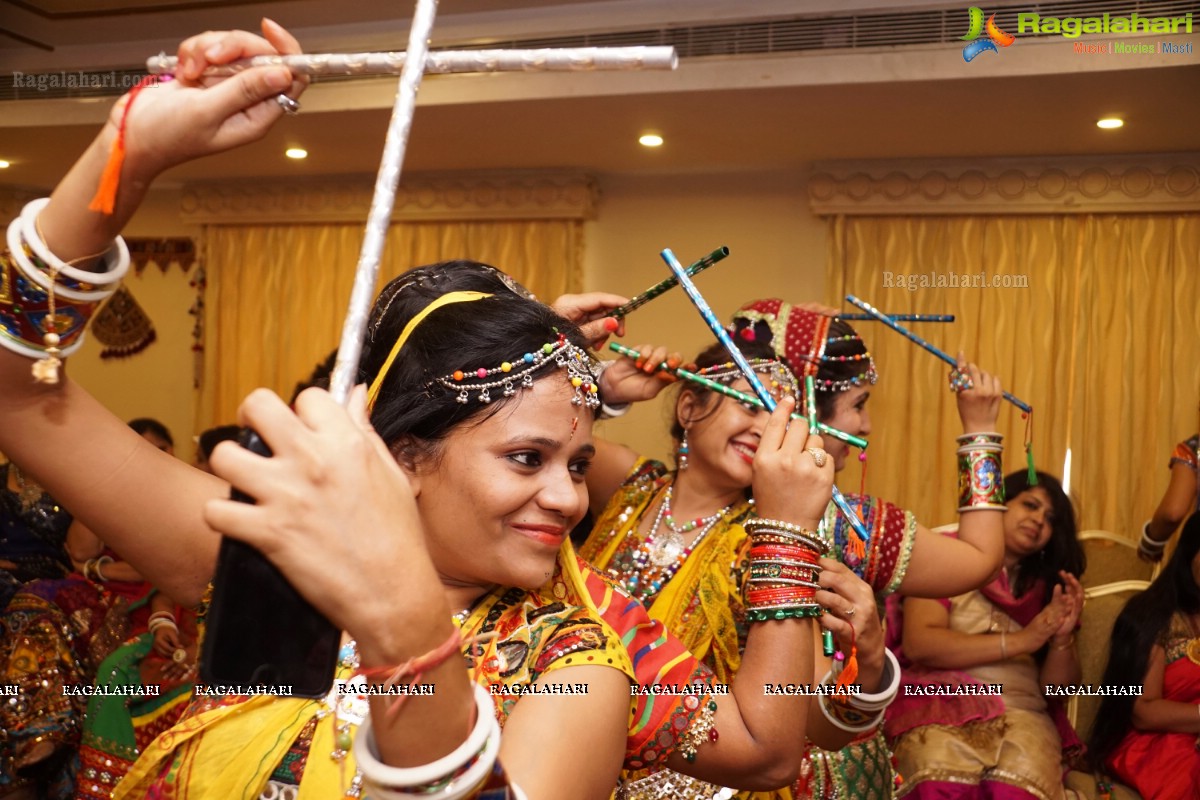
(783, 570)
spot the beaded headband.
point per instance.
(782, 379)
(803, 338)
(518, 374)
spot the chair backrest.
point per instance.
(1104, 603)
(1111, 558)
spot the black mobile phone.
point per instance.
(260, 630)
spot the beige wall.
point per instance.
(776, 248)
(156, 382)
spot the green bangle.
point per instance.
(767, 615)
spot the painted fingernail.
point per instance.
(611, 324)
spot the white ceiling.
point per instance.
(749, 113)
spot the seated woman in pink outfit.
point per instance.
(1150, 742)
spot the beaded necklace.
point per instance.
(657, 560)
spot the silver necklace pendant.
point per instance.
(665, 552)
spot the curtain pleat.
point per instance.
(1093, 322)
(277, 294)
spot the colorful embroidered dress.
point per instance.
(1011, 747)
(1160, 765)
(702, 603)
(117, 728)
(231, 746)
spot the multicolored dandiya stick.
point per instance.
(730, 392)
(658, 288)
(899, 317)
(380, 215)
(577, 59)
(748, 373)
(912, 337)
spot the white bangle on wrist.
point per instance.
(883, 698)
(1147, 543)
(387, 782)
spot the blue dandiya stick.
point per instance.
(899, 317)
(748, 373)
(912, 337)
(729, 391)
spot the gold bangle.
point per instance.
(1070, 643)
(1003, 646)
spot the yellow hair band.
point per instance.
(445, 300)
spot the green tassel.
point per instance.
(1032, 479)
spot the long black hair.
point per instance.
(460, 336)
(1140, 626)
(1063, 550)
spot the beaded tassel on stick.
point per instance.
(1031, 478)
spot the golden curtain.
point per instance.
(1091, 319)
(277, 294)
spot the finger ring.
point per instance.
(850, 612)
(179, 656)
(290, 107)
(960, 380)
(818, 455)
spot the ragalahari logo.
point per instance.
(995, 36)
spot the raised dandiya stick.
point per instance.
(577, 59)
(810, 401)
(748, 373)
(912, 337)
(730, 392)
(380, 215)
(899, 317)
(662, 286)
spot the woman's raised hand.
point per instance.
(788, 484)
(979, 399)
(629, 380)
(194, 114)
(333, 510)
(590, 312)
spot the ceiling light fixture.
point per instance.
(650, 140)
(296, 153)
(1110, 123)
(4, 164)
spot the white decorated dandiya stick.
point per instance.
(578, 59)
(380, 216)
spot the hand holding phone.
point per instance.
(260, 629)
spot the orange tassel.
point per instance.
(105, 199)
(857, 546)
(849, 672)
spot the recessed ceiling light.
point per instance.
(296, 153)
(650, 140)
(1109, 123)
(4, 164)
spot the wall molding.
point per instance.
(420, 198)
(1101, 184)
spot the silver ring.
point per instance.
(850, 612)
(290, 107)
(818, 456)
